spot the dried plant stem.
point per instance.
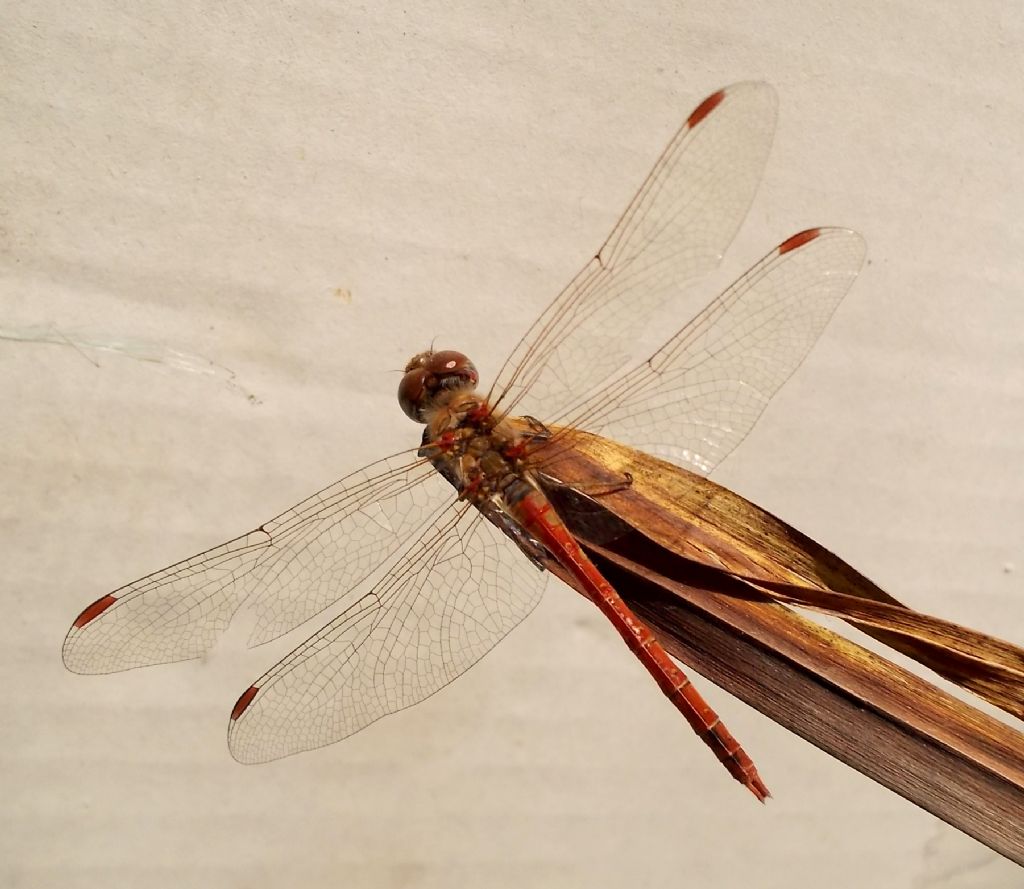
(675, 562)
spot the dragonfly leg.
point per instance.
(538, 431)
(594, 489)
(603, 489)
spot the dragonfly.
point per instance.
(428, 581)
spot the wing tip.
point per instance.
(798, 240)
(758, 91)
(705, 108)
(847, 237)
(91, 612)
(243, 702)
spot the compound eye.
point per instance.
(422, 359)
(412, 392)
(430, 374)
(453, 365)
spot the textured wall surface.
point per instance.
(225, 226)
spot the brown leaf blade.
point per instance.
(709, 572)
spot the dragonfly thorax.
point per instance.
(432, 379)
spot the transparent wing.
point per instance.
(675, 229)
(295, 565)
(700, 394)
(452, 595)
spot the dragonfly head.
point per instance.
(430, 378)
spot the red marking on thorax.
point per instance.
(705, 108)
(515, 451)
(95, 610)
(479, 413)
(798, 240)
(446, 441)
(470, 489)
(243, 702)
